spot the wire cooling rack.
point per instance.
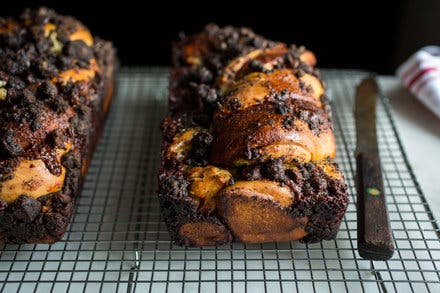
(117, 241)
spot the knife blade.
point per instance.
(375, 240)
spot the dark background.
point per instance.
(373, 35)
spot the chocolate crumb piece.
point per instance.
(55, 139)
(9, 145)
(207, 93)
(55, 224)
(252, 172)
(274, 170)
(47, 90)
(172, 185)
(34, 116)
(281, 107)
(288, 122)
(200, 148)
(16, 83)
(205, 75)
(299, 73)
(290, 61)
(72, 162)
(256, 66)
(45, 69)
(77, 50)
(282, 95)
(35, 124)
(233, 104)
(325, 101)
(308, 69)
(26, 208)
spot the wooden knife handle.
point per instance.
(375, 240)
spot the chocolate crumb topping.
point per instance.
(26, 208)
(200, 149)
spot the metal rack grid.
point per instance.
(117, 241)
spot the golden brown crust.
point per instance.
(263, 189)
(263, 131)
(257, 88)
(83, 34)
(205, 183)
(33, 178)
(181, 144)
(78, 74)
(204, 234)
(267, 59)
(259, 216)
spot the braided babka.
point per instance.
(56, 84)
(248, 146)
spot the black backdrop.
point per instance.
(354, 35)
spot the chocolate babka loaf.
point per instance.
(56, 84)
(248, 146)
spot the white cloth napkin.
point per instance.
(421, 75)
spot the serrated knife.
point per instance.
(375, 240)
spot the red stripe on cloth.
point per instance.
(420, 86)
(411, 69)
(419, 75)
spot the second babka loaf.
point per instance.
(248, 146)
(56, 85)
